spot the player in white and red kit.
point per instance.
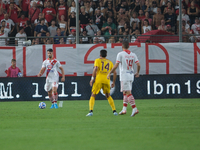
(125, 60)
(51, 65)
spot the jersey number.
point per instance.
(129, 64)
(106, 66)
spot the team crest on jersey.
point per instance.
(49, 66)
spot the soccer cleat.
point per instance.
(56, 106)
(52, 106)
(134, 113)
(90, 114)
(115, 113)
(123, 112)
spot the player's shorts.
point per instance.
(98, 86)
(126, 85)
(49, 85)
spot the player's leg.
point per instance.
(95, 90)
(55, 94)
(131, 100)
(48, 89)
(111, 102)
(125, 99)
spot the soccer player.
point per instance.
(52, 77)
(125, 61)
(13, 70)
(102, 67)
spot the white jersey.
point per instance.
(125, 60)
(51, 70)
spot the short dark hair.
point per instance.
(13, 60)
(50, 50)
(125, 44)
(103, 53)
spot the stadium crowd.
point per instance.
(101, 21)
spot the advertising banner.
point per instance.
(78, 88)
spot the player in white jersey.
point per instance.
(125, 60)
(51, 65)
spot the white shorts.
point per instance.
(126, 85)
(49, 85)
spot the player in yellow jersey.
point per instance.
(102, 67)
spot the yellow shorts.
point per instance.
(98, 86)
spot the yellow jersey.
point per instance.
(104, 67)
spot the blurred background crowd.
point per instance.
(101, 21)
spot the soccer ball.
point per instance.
(19, 74)
(42, 105)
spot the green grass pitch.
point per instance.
(162, 124)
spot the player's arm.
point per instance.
(113, 70)
(93, 75)
(41, 72)
(63, 74)
(114, 78)
(138, 70)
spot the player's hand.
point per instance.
(63, 79)
(39, 75)
(112, 85)
(91, 82)
(137, 75)
(108, 76)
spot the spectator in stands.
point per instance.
(146, 27)
(148, 18)
(136, 7)
(36, 41)
(99, 38)
(184, 17)
(110, 8)
(122, 18)
(62, 10)
(186, 26)
(92, 28)
(84, 18)
(126, 28)
(88, 8)
(192, 12)
(13, 70)
(46, 2)
(196, 26)
(37, 21)
(9, 24)
(141, 15)
(49, 13)
(2, 40)
(21, 21)
(108, 27)
(13, 12)
(24, 5)
(63, 25)
(6, 30)
(41, 28)
(84, 38)
(163, 4)
(72, 37)
(28, 28)
(2, 5)
(134, 21)
(34, 12)
(72, 8)
(19, 37)
(146, 7)
(109, 14)
(61, 41)
(71, 22)
(120, 40)
(135, 34)
(52, 29)
(170, 19)
(184, 34)
(56, 39)
(162, 26)
(124, 5)
(99, 18)
(47, 40)
(157, 18)
(154, 8)
(111, 39)
(169, 5)
(39, 3)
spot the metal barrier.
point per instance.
(27, 41)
